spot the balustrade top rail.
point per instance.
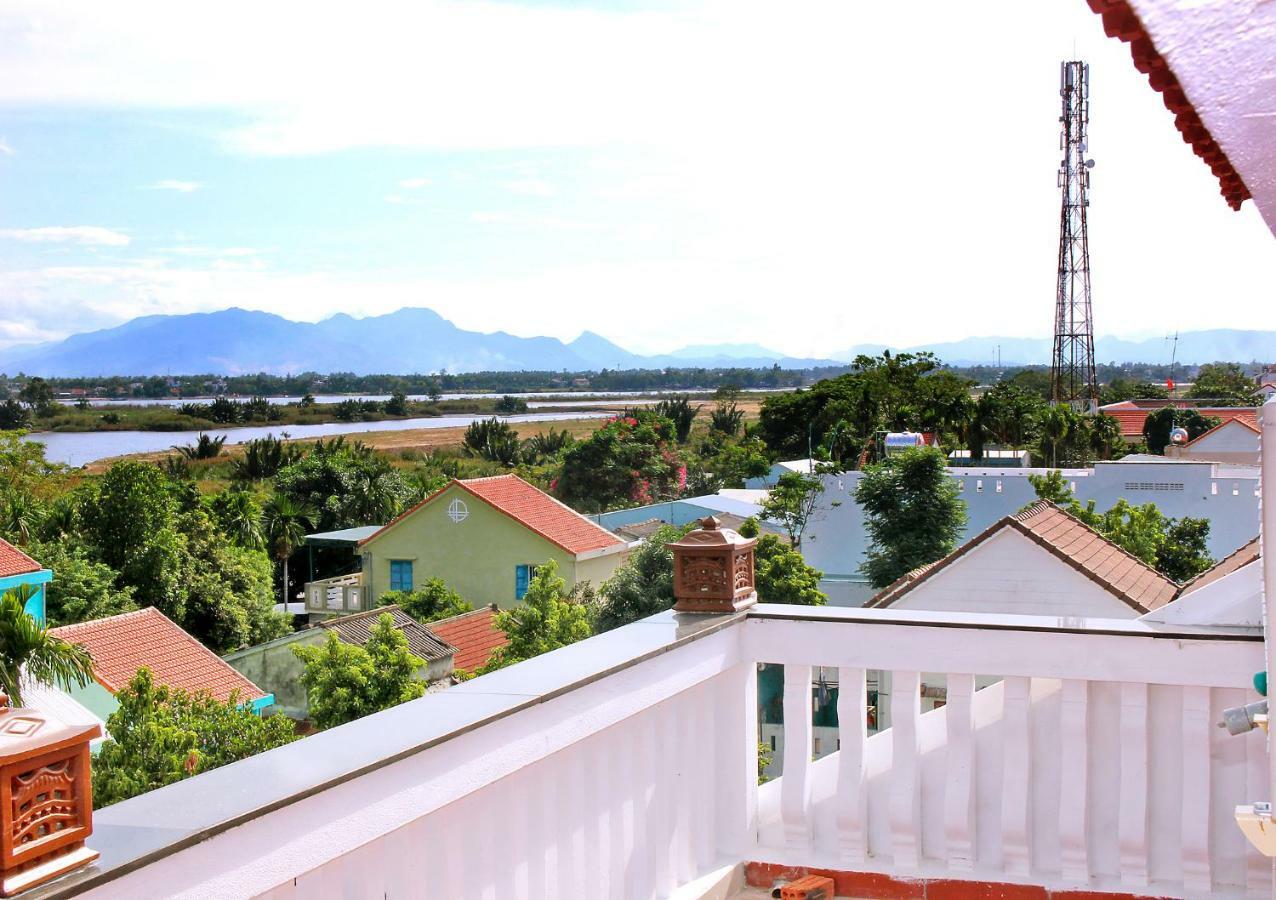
(146, 829)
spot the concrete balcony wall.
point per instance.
(626, 766)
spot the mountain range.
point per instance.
(236, 341)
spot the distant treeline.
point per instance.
(688, 379)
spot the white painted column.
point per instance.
(1074, 781)
(1132, 819)
(959, 793)
(735, 714)
(795, 782)
(1016, 767)
(1197, 730)
(1267, 535)
(852, 784)
(905, 787)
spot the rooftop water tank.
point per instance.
(1178, 435)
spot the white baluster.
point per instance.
(1196, 789)
(959, 793)
(905, 799)
(1132, 820)
(852, 784)
(1016, 768)
(795, 787)
(735, 714)
(1074, 781)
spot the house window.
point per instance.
(979, 486)
(998, 485)
(522, 578)
(400, 574)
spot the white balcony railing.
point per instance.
(339, 595)
(626, 766)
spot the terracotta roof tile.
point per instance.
(122, 644)
(473, 634)
(357, 629)
(14, 562)
(557, 523)
(1121, 22)
(1132, 417)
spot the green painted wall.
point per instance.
(275, 669)
(476, 556)
(95, 698)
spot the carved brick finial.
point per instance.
(713, 570)
(47, 799)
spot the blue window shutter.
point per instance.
(400, 574)
(521, 577)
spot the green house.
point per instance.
(484, 537)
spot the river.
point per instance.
(83, 447)
(534, 398)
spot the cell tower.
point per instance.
(1072, 376)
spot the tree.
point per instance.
(397, 405)
(26, 646)
(83, 589)
(1185, 552)
(160, 735)
(346, 484)
(508, 405)
(643, 586)
(493, 440)
(544, 621)
(792, 501)
(680, 412)
(912, 513)
(284, 525)
(1119, 389)
(432, 601)
(13, 415)
(37, 394)
(630, 460)
(546, 445)
(345, 682)
(1158, 425)
(204, 448)
(239, 515)
(1223, 381)
(1053, 487)
(781, 575)
(726, 417)
(264, 458)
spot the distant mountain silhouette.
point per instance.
(236, 341)
(1195, 347)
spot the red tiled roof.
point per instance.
(1131, 417)
(1226, 566)
(530, 507)
(122, 644)
(1071, 540)
(14, 562)
(473, 634)
(1120, 21)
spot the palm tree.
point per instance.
(284, 524)
(241, 517)
(26, 646)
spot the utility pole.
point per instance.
(1072, 374)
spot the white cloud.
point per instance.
(6, 149)
(531, 187)
(86, 235)
(414, 184)
(172, 184)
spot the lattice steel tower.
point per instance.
(1072, 376)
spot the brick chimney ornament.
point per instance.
(46, 799)
(713, 570)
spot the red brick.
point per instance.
(951, 889)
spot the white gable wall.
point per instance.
(1231, 442)
(1010, 574)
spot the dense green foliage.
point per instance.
(346, 484)
(83, 588)
(1223, 381)
(912, 514)
(629, 460)
(160, 735)
(345, 682)
(547, 619)
(1121, 388)
(430, 602)
(792, 501)
(643, 586)
(781, 575)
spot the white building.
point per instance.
(1227, 495)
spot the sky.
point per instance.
(803, 175)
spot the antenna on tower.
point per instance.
(1174, 355)
(1072, 373)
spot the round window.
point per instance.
(457, 511)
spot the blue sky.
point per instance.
(805, 176)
